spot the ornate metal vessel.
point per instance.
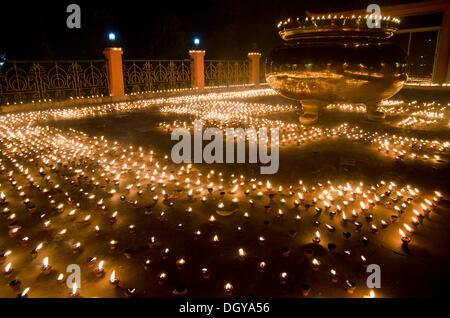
(337, 60)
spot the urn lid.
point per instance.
(333, 26)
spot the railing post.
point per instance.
(198, 68)
(115, 71)
(254, 67)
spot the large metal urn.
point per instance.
(337, 60)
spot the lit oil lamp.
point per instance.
(408, 228)
(24, 294)
(425, 209)
(197, 234)
(363, 207)
(374, 229)
(99, 271)
(162, 278)
(405, 239)
(347, 254)
(47, 226)
(152, 242)
(438, 197)
(242, 254)
(5, 211)
(113, 244)
(3, 198)
(358, 225)
(350, 286)
(261, 240)
(112, 218)
(180, 263)
(165, 253)
(97, 230)
(364, 261)
(283, 278)
(418, 214)
(344, 218)
(333, 276)
(206, 273)
(132, 228)
(46, 267)
(60, 279)
(76, 248)
(7, 271)
(430, 204)
(316, 238)
(34, 252)
(3, 256)
(315, 265)
(147, 264)
(162, 216)
(61, 234)
(91, 261)
(87, 219)
(72, 214)
(371, 295)
(74, 291)
(262, 266)
(216, 240)
(228, 288)
(114, 279)
(14, 231)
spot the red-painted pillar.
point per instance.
(254, 67)
(115, 71)
(443, 50)
(198, 68)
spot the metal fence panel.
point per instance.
(28, 81)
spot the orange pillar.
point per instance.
(254, 67)
(198, 68)
(115, 71)
(443, 50)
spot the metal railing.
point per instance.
(222, 72)
(38, 81)
(35, 81)
(150, 75)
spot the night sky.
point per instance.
(155, 29)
